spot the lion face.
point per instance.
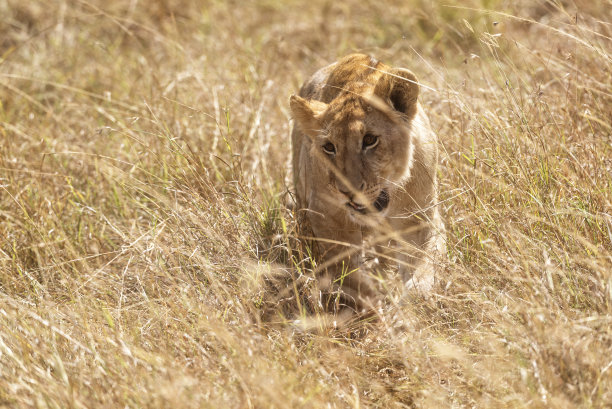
(364, 154)
(360, 144)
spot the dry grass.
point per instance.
(143, 180)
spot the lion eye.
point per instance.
(329, 148)
(370, 141)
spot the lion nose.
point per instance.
(350, 192)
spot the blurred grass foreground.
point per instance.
(148, 257)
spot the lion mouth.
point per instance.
(380, 204)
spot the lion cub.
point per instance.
(364, 168)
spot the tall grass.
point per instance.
(148, 257)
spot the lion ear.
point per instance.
(306, 113)
(400, 87)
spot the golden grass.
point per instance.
(147, 258)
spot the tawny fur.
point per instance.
(385, 194)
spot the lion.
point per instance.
(364, 172)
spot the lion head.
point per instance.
(361, 138)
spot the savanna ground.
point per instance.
(148, 256)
